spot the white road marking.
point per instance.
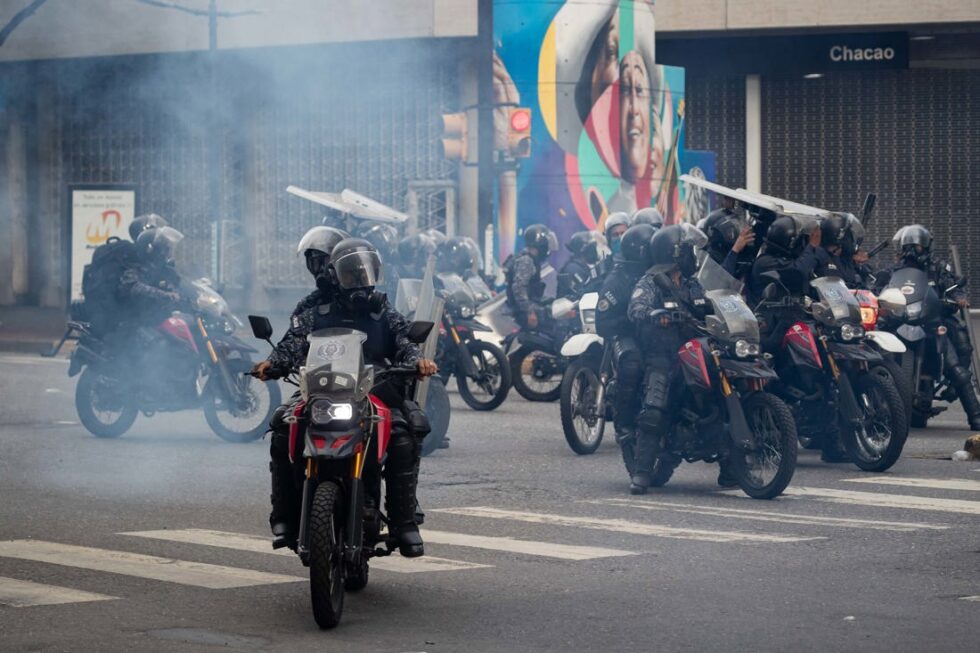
(527, 547)
(763, 515)
(624, 526)
(23, 594)
(963, 484)
(904, 501)
(970, 598)
(257, 544)
(141, 566)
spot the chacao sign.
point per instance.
(839, 53)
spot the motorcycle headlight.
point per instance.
(588, 316)
(324, 412)
(466, 311)
(850, 332)
(913, 310)
(744, 349)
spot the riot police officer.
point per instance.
(652, 311)
(525, 289)
(356, 270)
(615, 226)
(580, 273)
(728, 239)
(788, 251)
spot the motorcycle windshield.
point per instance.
(712, 276)
(456, 290)
(479, 288)
(734, 320)
(336, 350)
(837, 300)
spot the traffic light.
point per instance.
(519, 133)
(454, 136)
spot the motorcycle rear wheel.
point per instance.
(878, 446)
(524, 371)
(579, 389)
(326, 555)
(99, 418)
(493, 371)
(765, 472)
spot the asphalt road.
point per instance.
(845, 561)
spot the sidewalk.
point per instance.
(29, 329)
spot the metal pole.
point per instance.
(485, 135)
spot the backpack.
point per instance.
(100, 280)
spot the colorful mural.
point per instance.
(608, 123)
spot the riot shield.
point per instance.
(965, 316)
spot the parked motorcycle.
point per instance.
(536, 363)
(588, 382)
(191, 360)
(887, 344)
(341, 430)
(825, 370)
(721, 406)
(481, 368)
(915, 316)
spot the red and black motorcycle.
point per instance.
(341, 430)
(192, 359)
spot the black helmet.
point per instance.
(475, 253)
(357, 270)
(455, 255)
(437, 236)
(784, 236)
(649, 215)
(158, 245)
(635, 245)
(541, 238)
(585, 244)
(414, 252)
(722, 229)
(383, 236)
(913, 242)
(674, 247)
(143, 222)
(316, 245)
(613, 220)
(833, 230)
(853, 237)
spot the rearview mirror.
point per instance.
(261, 327)
(419, 332)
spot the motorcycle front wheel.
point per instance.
(765, 471)
(536, 374)
(326, 555)
(245, 417)
(581, 419)
(488, 389)
(878, 444)
(102, 406)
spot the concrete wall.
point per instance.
(73, 28)
(723, 15)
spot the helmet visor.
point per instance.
(552, 241)
(693, 235)
(914, 235)
(165, 240)
(358, 270)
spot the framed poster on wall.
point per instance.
(96, 212)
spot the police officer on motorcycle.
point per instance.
(657, 315)
(580, 273)
(150, 284)
(914, 247)
(355, 270)
(728, 238)
(525, 289)
(790, 253)
(615, 226)
(613, 324)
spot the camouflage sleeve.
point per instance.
(523, 273)
(289, 354)
(406, 352)
(645, 300)
(132, 287)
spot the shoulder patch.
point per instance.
(603, 305)
(296, 322)
(637, 293)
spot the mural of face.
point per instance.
(606, 70)
(634, 117)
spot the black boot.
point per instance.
(281, 519)
(644, 456)
(832, 450)
(962, 380)
(401, 481)
(726, 477)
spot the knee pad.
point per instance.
(650, 420)
(416, 420)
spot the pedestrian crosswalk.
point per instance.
(476, 542)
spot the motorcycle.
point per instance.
(192, 359)
(588, 382)
(721, 405)
(340, 430)
(885, 343)
(825, 366)
(915, 316)
(536, 364)
(481, 368)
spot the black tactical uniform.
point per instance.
(525, 289)
(149, 284)
(576, 278)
